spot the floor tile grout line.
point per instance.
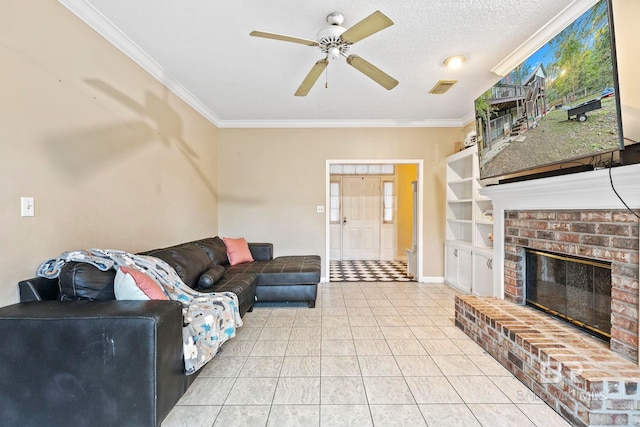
(341, 295)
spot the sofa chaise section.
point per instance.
(281, 279)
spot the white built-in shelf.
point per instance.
(461, 181)
(469, 225)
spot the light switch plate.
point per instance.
(26, 206)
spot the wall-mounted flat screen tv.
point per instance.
(559, 110)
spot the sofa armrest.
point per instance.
(91, 363)
(38, 289)
(261, 251)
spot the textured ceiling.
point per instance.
(202, 50)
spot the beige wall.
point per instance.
(112, 158)
(271, 181)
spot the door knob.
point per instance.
(344, 219)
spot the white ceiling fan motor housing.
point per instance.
(329, 37)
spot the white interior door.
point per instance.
(361, 218)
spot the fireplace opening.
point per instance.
(576, 290)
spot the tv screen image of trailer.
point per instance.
(558, 107)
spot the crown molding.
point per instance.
(111, 33)
(103, 26)
(543, 35)
(468, 118)
(339, 123)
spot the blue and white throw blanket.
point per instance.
(209, 319)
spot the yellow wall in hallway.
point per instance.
(405, 173)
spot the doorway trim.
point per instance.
(420, 219)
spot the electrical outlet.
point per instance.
(320, 209)
(26, 206)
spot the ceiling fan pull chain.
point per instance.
(326, 78)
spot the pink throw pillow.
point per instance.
(133, 284)
(237, 250)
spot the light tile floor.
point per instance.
(369, 354)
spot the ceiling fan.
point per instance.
(334, 41)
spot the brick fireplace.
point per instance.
(578, 214)
(586, 380)
(603, 235)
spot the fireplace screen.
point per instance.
(575, 289)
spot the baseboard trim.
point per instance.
(432, 279)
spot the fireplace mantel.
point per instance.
(585, 190)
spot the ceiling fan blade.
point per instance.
(312, 77)
(373, 72)
(283, 38)
(370, 25)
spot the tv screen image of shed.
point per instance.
(558, 107)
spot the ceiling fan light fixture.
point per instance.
(333, 53)
(454, 62)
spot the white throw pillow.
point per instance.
(133, 284)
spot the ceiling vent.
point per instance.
(442, 86)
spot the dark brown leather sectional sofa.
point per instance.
(72, 355)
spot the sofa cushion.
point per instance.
(79, 280)
(215, 249)
(284, 270)
(261, 251)
(237, 250)
(133, 284)
(210, 277)
(255, 267)
(240, 284)
(188, 260)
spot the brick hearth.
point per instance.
(574, 373)
(581, 215)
